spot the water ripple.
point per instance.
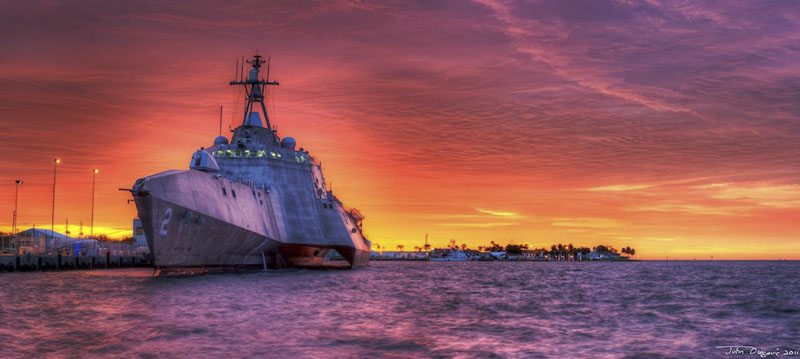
(407, 310)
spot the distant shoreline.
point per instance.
(595, 261)
(501, 260)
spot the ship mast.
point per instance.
(255, 89)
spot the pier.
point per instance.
(42, 250)
(34, 262)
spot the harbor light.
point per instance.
(16, 202)
(94, 176)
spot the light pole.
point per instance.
(53, 211)
(94, 175)
(16, 202)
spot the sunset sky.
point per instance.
(672, 127)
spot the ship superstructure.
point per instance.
(253, 201)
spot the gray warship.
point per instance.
(253, 202)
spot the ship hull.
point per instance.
(192, 228)
(182, 238)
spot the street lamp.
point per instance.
(16, 202)
(94, 175)
(53, 211)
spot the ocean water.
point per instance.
(675, 309)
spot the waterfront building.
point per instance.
(599, 255)
(44, 241)
(451, 255)
(400, 255)
(499, 255)
(139, 239)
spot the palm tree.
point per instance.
(400, 247)
(463, 246)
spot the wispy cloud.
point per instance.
(695, 209)
(484, 218)
(660, 239)
(498, 213)
(586, 222)
(477, 225)
(764, 194)
(619, 188)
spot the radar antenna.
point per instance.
(255, 89)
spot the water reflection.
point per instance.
(407, 309)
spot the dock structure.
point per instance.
(34, 262)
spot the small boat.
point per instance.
(455, 255)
